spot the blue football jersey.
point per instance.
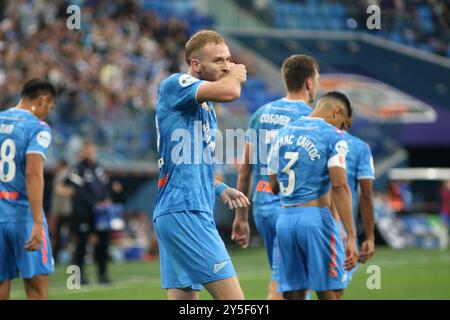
(266, 121)
(359, 166)
(186, 146)
(301, 156)
(20, 133)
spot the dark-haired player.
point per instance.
(300, 74)
(25, 248)
(307, 160)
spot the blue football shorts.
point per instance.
(15, 261)
(311, 250)
(192, 253)
(266, 223)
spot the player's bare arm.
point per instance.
(342, 198)
(241, 229)
(225, 89)
(368, 218)
(35, 191)
(335, 214)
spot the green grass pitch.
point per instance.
(405, 274)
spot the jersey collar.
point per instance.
(289, 100)
(24, 110)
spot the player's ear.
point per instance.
(337, 112)
(41, 101)
(195, 63)
(309, 83)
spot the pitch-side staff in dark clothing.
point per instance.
(91, 191)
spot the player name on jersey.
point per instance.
(274, 119)
(6, 128)
(303, 142)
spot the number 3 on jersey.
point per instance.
(292, 157)
(7, 164)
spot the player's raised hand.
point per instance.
(351, 255)
(234, 198)
(238, 71)
(35, 240)
(240, 232)
(367, 250)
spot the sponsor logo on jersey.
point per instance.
(263, 186)
(9, 195)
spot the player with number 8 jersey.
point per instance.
(24, 141)
(21, 133)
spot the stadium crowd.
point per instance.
(106, 73)
(421, 24)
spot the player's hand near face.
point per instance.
(35, 240)
(351, 254)
(367, 250)
(240, 232)
(234, 199)
(238, 71)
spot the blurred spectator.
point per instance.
(445, 203)
(117, 194)
(91, 186)
(61, 208)
(400, 195)
(382, 206)
(138, 239)
(117, 197)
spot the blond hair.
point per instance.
(199, 40)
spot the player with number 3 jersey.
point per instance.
(307, 159)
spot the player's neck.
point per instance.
(193, 73)
(23, 105)
(317, 114)
(297, 96)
